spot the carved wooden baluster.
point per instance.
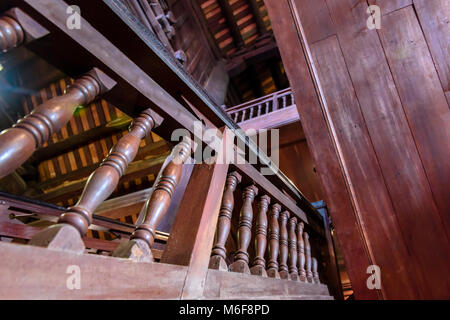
(314, 271)
(283, 269)
(219, 253)
(244, 232)
(100, 184)
(293, 271)
(11, 33)
(18, 143)
(309, 275)
(142, 239)
(259, 263)
(301, 252)
(274, 236)
(259, 109)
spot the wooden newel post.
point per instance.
(314, 271)
(284, 252)
(11, 33)
(244, 232)
(259, 263)
(274, 237)
(219, 254)
(18, 143)
(293, 270)
(301, 252)
(308, 262)
(102, 182)
(141, 241)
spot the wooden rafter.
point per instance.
(258, 19)
(232, 24)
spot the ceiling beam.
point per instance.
(257, 14)
(231, 22)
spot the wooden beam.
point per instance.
(231, 22)
(258, 19)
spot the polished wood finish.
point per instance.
(244, 233)
(315, 273)
(18, 143)
(259, 263)
(284, 250)
(219, 253)
(308, 261)
(11, 33)
(292, 242)
(274, 237)
(301, 252)
(159, 201)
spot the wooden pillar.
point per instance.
(11, 33)
(18, 143)
(244, 232)
(293, 270)
(301, 252)
(102, 182)
(274, 236)
(283, 268)
(142, 239)
(219, 253)
(259, 263)
(315, 273)
(308, 262)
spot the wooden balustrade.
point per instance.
(218, 254)
(259, 263)
(100, 185)
(18, 143)
(301, 252)
(244, 231)
(308, 261)
(292, 239)
(274, 237)
(143, 238)
(283, 268)
(314, 271)
(11, 33)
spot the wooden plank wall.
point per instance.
(377, 121)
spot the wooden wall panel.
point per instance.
(388, 6)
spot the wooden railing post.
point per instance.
(283, 268)
(301, 252)
(141, 241)
(18, 143)
(314, 271)
(274, 236)
(244, 232)
(259, 263)
(219, 253)
(11, 33)
(98, 188)
(308, 262)
(293, 270)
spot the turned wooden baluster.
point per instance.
(11, 33)
(244, 232)
(142, 240)
(103, 180)
(293, 271)
(219, 254)
(283, 268)
(18, 143)
(301, 252)
(259, 263)
(314, 271)
(274, 236)
(309, 275)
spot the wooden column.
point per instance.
(11, 33)
(274, 236)
(301, 252)
(315, 273)
(219, 253)
(244, 232)
(142, 239)
(259, 263)
(293, 270)
(283, 268)
(102, 182)
(18, 143)
(308, 262)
